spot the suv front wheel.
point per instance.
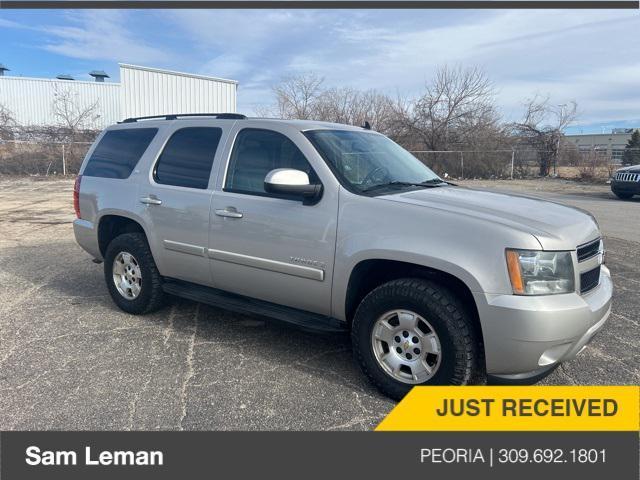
(415, 332)
(133, 280)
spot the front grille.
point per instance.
(589, 280)
(627, 177)
(588, 250)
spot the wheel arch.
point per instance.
(112, 224)
(369, 274)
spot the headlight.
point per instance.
(540, 273)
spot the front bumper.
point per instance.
(625, 187)
(525, 335)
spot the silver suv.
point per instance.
(337, 228)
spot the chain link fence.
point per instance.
(591, 165)
(27, 157)
(19, 157)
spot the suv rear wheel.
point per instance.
(133, 280)
(415, 332)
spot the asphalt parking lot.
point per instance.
(69, 359)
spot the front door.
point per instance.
(264, 245)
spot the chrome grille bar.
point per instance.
(627, 177)
(588, 250)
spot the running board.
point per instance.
(241, 304)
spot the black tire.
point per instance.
(462, 358)
(622, 195)
(151, 296)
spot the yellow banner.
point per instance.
(535, 408)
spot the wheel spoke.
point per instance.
(421, 371)
(430, 343)
(407, 320)
(118, 268)
(384, 332)
(392, 361)
(124, 286)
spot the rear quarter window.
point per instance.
(118, 152)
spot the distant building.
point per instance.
(610, 144)
(141, 91)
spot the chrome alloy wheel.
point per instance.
(127, 276)
(406, 346)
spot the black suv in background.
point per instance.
(626, 182)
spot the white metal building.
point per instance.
(142, 91)
(150, 91)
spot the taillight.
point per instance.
(76, 195)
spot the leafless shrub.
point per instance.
(541, 129)
(7, 123)
(594, 167)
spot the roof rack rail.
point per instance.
(175, 116)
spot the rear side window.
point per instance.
(118, 152)
(187, 158)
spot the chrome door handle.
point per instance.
(151, 200)
(227, 212)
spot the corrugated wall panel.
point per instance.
(149, 91)
(32, 99)
(142, 91)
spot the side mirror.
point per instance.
(287, 181)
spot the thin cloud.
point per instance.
(104, 35)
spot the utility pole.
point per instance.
(555, 157)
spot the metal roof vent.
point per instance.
(2, 70)
(99, 75)
(64, 76)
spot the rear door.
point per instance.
(175, 198)
(264, 245)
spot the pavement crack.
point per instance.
(623, 317)
(166, 333)
(190, 370)
(133, 405)
(567, 375)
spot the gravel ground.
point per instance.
(69, 359)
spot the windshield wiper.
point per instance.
(433, 182)
(438, 181)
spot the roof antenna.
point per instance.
(367, 125)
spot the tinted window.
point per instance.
(118, 152)
(256, 153)
(188, 156)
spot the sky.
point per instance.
(587, 56)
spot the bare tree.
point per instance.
(456, 107)
(355, 107)
(296, 96)
(76, 122)
(7, 123)
(72, 115)
(304, 97)
(542, 128)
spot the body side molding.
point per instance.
(265, 264)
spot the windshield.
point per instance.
(365, 159)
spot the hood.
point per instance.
(557, 227)
(630, 169)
